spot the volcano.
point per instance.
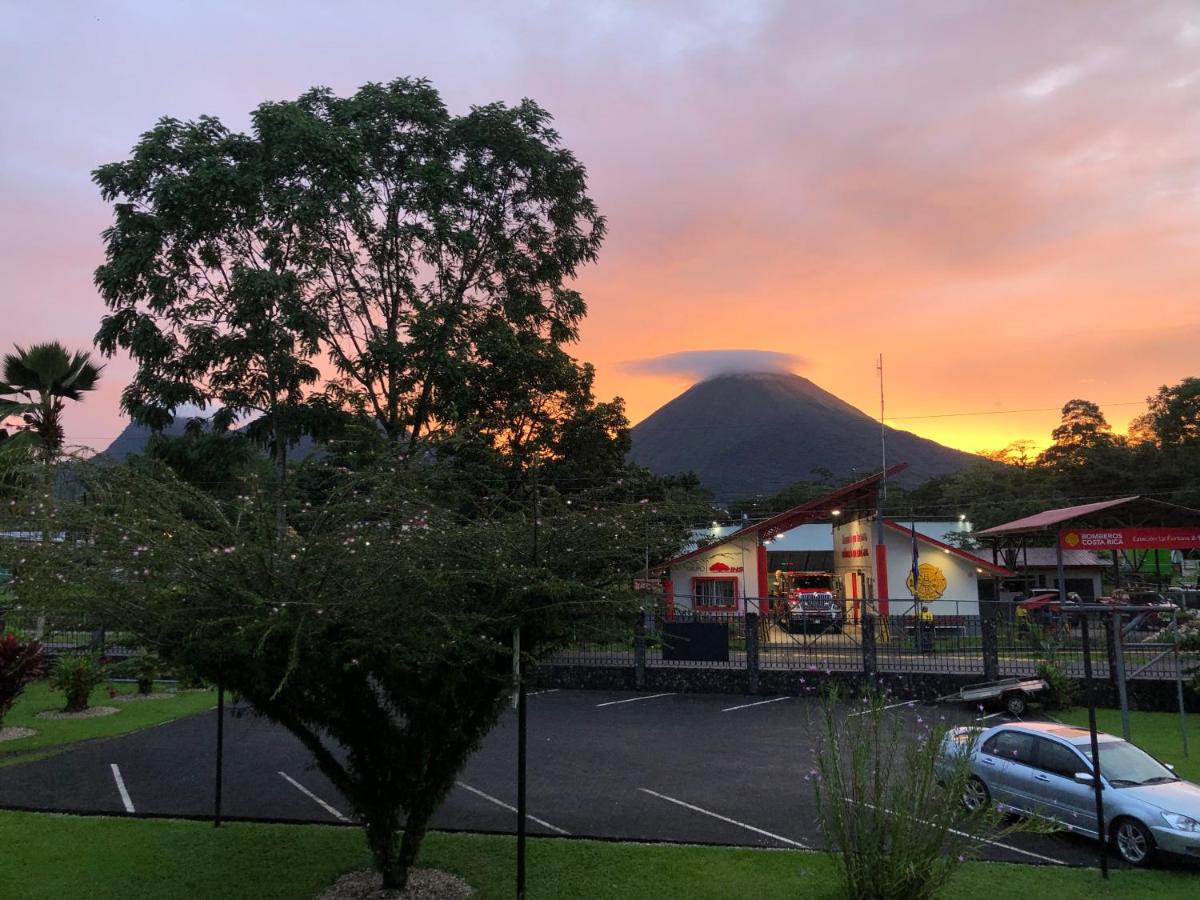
(749, 434)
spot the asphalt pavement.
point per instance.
(691, 768)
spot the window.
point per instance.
(1014, 746)
(1058, 759)
(715, 593)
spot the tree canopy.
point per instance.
(409, 265)
(36, 383)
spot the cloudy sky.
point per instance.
(1002, 198)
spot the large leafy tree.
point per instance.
(427, 257)
(37, 383)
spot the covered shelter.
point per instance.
(1136, 524)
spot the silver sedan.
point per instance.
(1045, 769)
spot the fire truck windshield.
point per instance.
(807, 580)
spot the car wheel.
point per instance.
(975, 795)
(1133, 841)
(1015, 703)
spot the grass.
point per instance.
(1155, 732)
(54, 733)
(63, 856)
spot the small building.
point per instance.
(871, 561)
(1037, 567)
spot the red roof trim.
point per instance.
(977, 561)
(805, 512)
(813, 509)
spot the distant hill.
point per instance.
(133, 439)
(756, 433)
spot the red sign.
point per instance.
(724, 567)
(1129, 538)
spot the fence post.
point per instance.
(1116, 662)
(98, 641)
(991, 650)
(639, 651)
(751, 627)
(870, 662)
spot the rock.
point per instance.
(423, 884)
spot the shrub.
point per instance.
(21, 662)
(1061, 690)
(76, 677)
(889, 802)
(144, 669)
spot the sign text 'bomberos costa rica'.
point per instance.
(1129, 538)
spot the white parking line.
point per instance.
(477, 792)
(983, 840)
(121, 788)
(547, 691)
(869, 709)
(774, 837)
(311, 796)
(635, 699)
(759, 703)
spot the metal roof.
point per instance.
(1043, 520)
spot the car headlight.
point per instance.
(1181, 822)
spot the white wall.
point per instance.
(854, 558)
(739, 554)
(961, 596)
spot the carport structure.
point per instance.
(1136, 523)
(1124, 523)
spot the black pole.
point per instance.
(522, 712)
(220, 754)
(521, 809)
(1096, 786)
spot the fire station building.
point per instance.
(731, 570)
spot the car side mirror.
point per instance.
(1084, 777)
(1169, 767)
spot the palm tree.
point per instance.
(36, 383)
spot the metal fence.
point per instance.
(989, 640)
(62, 633)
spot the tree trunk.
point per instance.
(383, 827)
(415, 826)
(280, 487)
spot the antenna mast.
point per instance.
(882, 430)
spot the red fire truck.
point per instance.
(809, 602)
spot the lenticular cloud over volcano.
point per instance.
(702, 364)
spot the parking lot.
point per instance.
(690, 768)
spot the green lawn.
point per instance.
(52, 733)
(49, 856)
(1155, 732)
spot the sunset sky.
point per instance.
(1002, 198)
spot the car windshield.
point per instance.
(1124, 765)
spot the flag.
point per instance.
(916, 562)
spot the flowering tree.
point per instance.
(377, 628)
